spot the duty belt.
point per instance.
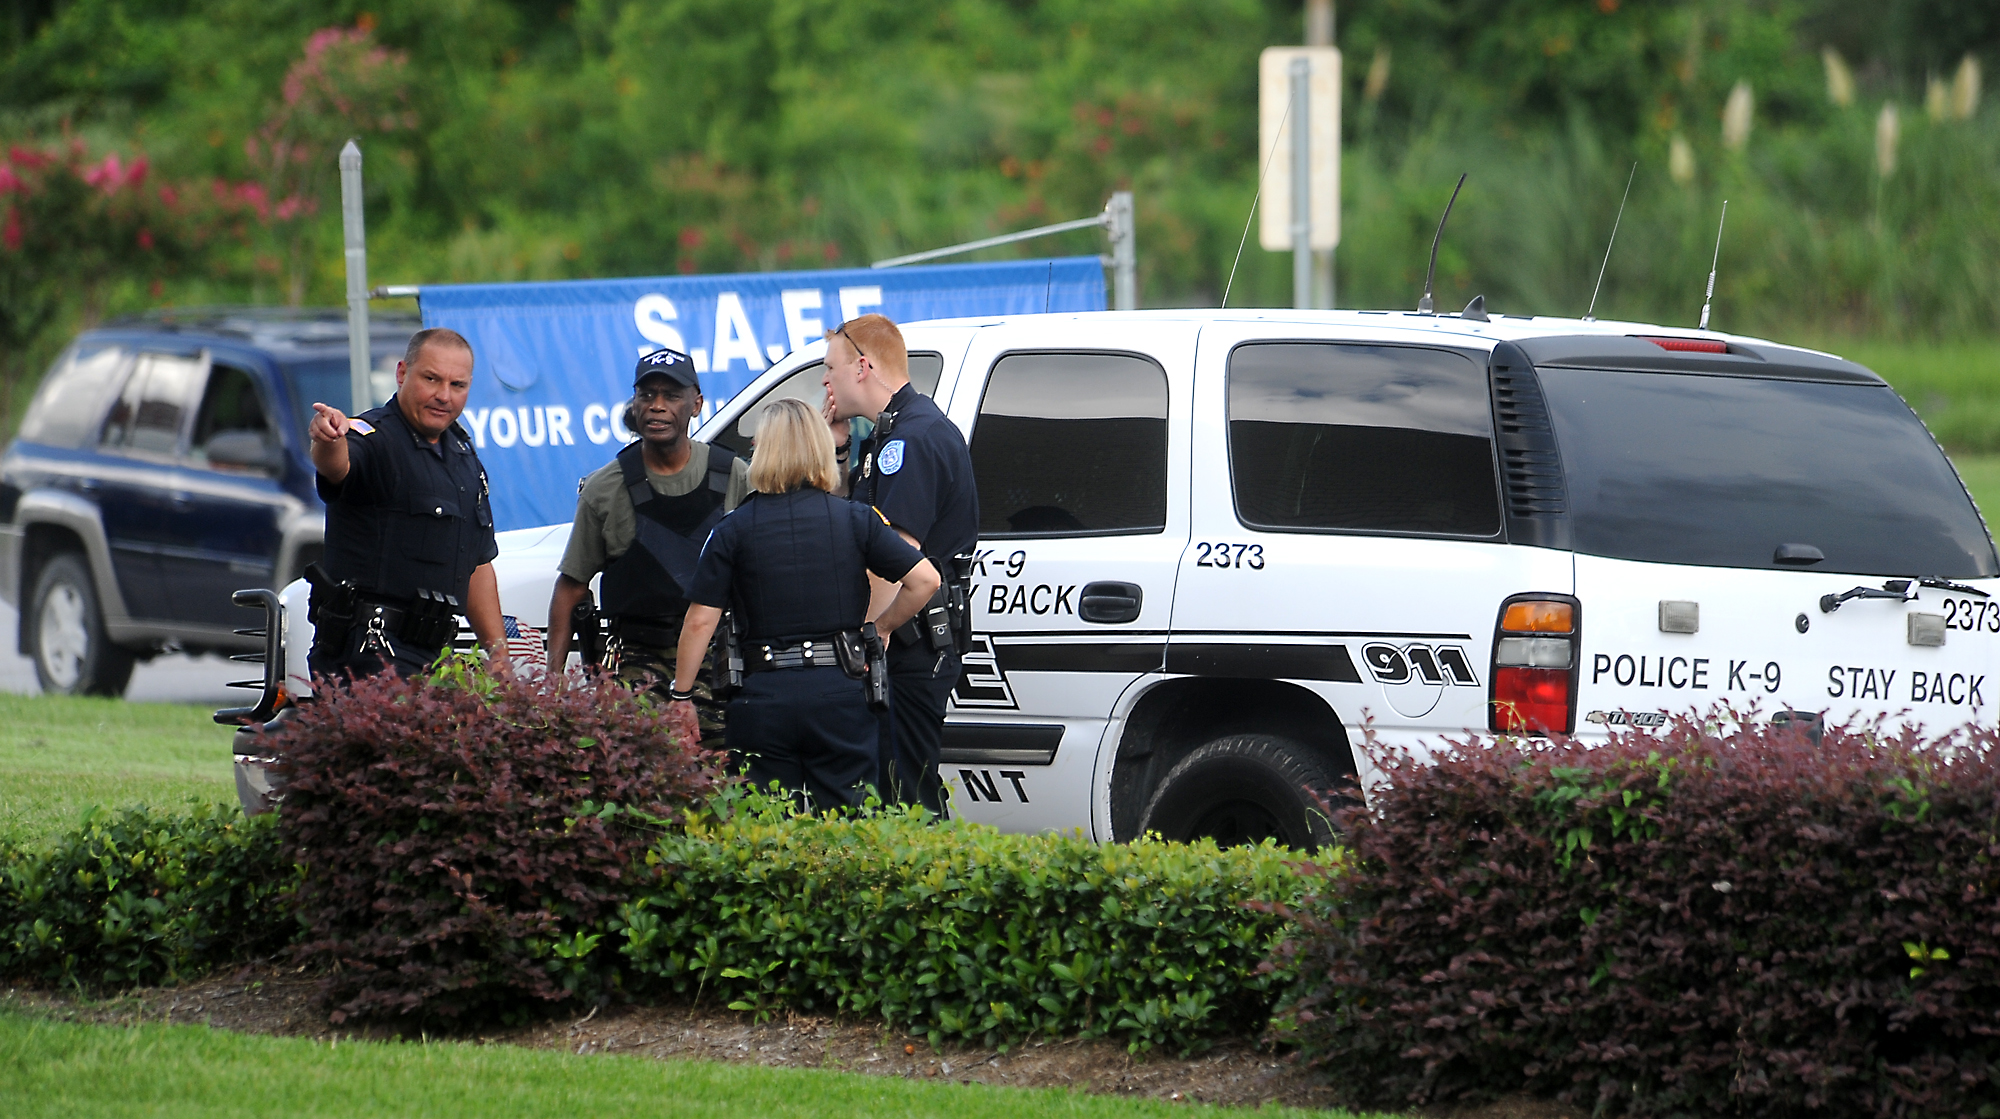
(818, 653)
(633, 631)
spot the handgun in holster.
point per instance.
(876, 686)
(587, 631)
(431, 619)
(332, 604)
(726, 659)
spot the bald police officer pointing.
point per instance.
(409, 531)
(916, 471)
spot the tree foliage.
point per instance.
(516, 139)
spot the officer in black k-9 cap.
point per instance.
(641, 520)
(409, 530)
(916, 470)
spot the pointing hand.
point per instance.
(329, 425)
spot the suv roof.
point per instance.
(1546, 340)
(271, 328)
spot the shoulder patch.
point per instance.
(361, 425)
(891, 457)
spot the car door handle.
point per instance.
(181, 500)
(1110, 603)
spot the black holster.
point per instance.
(586, 632)
(725, 677)
(332, 604)
(877, 683)
(958, 601)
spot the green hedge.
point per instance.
(952, 929)
(959, 931)
(144, 895)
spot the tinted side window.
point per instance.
(71, 401)
(806, 384)
(1072, 443)
(1361, 438)
(150, 412)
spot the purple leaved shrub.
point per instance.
(1706, 921)
(463, 839)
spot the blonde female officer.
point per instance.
(793, 561)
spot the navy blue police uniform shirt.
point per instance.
(410, 515)
(920, 478)
(794, 566)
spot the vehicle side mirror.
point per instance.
(246, 450)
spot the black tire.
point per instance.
(1244, 789)
(66, 636)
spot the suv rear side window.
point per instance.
(71, 401)
(1719, 471)
(151, 412)
(1341, 437)
(1072, 443)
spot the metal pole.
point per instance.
(1301, 185)
(358, 363)
(1124, 255)
(1319, 33)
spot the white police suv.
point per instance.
(1215, 545)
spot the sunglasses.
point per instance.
(842, 331)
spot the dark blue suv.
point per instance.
(161, 467)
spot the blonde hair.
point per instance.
(794, 449)
(877, 338)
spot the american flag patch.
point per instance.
(525, 646)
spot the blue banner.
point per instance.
(553, 361)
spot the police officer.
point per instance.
(916, 471)
(793, 563)
(409, 531)
(641, 520)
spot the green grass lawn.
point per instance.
(59, 755)
(50, 1068)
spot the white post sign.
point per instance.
(1274, 134)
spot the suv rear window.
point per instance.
(1336, 437)
(1719, 471)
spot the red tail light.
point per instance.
(1536, 645)
(1531, 700)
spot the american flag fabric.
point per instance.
(526, 646)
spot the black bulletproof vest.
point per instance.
(648, 580)
(800, 571)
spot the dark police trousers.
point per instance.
(808, 729)
(913, 740)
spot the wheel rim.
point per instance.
(1235, 823)
(62, 637)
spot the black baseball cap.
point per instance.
(671, 364)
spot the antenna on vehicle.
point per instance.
(1424, 305)
(1247, 218)
(1591, 315)
(1709, 299)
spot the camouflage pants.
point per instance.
(652, 668)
